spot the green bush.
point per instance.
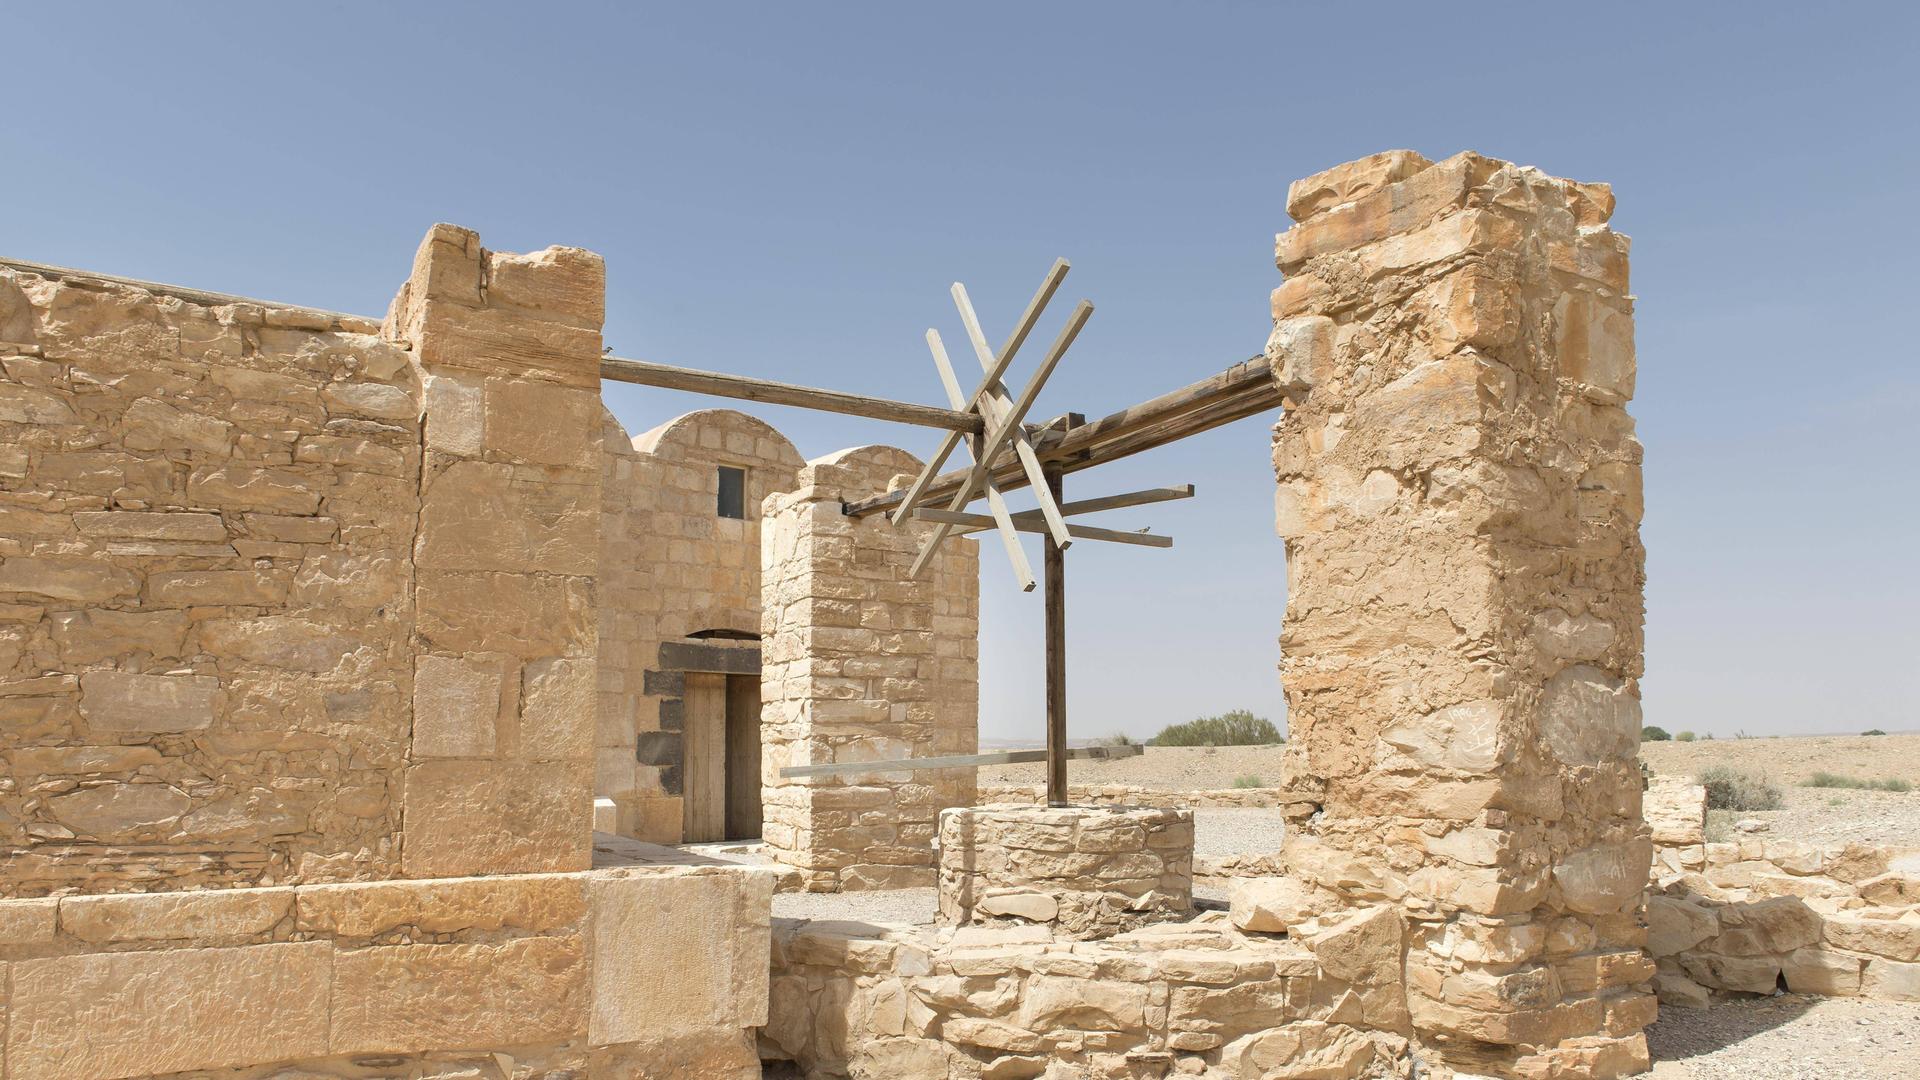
(1654, 734)
(1728, 789)
(1248, 781)
(1684, 736)
(1854, 783)
(1873, 731)
(1237, 728)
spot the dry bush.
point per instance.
(1730, 789)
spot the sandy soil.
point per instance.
(1789, 1037)
(1168, 768)
(1791, 759)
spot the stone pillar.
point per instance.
(861, 664)
(1459, 489)
(499, 774)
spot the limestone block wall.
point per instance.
(1751, 915)
(672, 567)
(863, 664)
(1085, 871)
(1459, 489)
(1189, 999)
(609, 973)
(207, 511)
(499, 773)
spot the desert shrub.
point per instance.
(1708, 736)
(1248, 781)
(1237, 728)
(1121, 739)
(1873, 731)
(1729, 789)
(1651, 733)
(1683, 736)
(1854, 783)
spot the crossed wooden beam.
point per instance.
(1003, 417)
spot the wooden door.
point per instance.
(743, 757)
(703, 765)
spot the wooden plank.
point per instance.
(643, 373)
(1024, 326)
(1246, 389)
(995, 405)
(961, 761)
(1055, 563)
(997, 436)
(1118, 502)
(743, 757)
(981, 523)
(703, 758)
(1002, 520)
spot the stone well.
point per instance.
(1086, 871)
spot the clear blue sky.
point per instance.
(787, 190)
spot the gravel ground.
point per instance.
(916, 906)
(1236, 831)
(1827, 816)
(1791, 759)
(1789, 1037)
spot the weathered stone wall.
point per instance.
(631, 972)
(1753, 914)
(863, 664)
(1459, 489)
(207, 512)
(274, 584)
(1190, 999)
(1085, 871)
(672, 567)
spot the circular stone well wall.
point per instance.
(1086, 871)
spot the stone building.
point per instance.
(320, 636)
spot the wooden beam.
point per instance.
(995, 404)
(1049, 285)
(1055, 563)
(1002, 520)
(997, 437)
(620, 369)
(960, 761)
(981, 523)
(1241, 391)
(1115, 502)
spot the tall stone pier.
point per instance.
(1459, 490)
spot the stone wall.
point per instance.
(499, 778)
(1085, 871)
(672, 567)
(863, 664)
(1753, 915)
(656, 972)
(1193, 999)
(1459, 489)
(207, 513)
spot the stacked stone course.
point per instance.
(1749, 915)
(1088, 872)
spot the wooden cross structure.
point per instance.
(1007, 453)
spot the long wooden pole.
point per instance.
(621, 369)
(1056, 578)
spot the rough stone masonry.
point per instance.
(1459, 489)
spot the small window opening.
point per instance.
(733, 493)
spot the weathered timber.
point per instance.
(960, 761)
(996, 404)
(644, 373)
(1244, 390)
(1001, 431)
(1054, 562)
(1002, 520)
(1048, 286)
(969, 522)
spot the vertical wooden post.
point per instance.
(1056, 660)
